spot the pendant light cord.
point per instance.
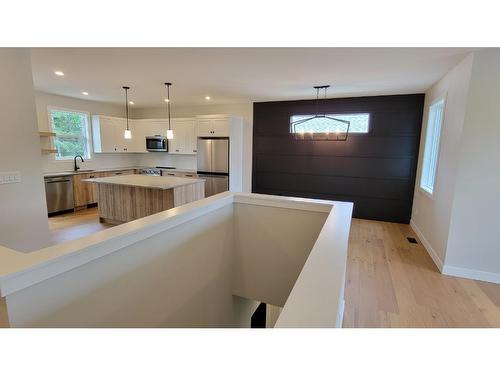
(126, 88)
(168, 84)
(317, 100)
(326, 88)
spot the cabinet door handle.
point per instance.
(176, 150)
(171, 174)
(194, 150)
(188, 175)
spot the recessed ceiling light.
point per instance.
(85, 93)
(58, 73)
(166, 100)
(207, 98)
(131, 102)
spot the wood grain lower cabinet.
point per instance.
(85, 193)
(180, 174)
(118, 173)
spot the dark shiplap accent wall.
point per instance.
(376, 171)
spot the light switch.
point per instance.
(10, 177)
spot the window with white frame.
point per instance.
(431, 147)
(72, 133)
(358, 123)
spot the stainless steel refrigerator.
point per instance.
(213, 164)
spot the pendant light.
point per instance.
(170, 132)
(127, 134)
(327, 128)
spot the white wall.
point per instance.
(244, 110)
(473, 245)
(162, 159)
(431, 216)
(23, 211)
(182, 267)
(177, 278)
(458, 225)
(271, 246)
(44, 100)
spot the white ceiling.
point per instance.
(235, 75)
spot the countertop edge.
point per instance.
(72, 173)
(187, 181)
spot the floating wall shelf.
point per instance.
(49, 151)
(47, 134)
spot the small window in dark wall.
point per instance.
(359, 123)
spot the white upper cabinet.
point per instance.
(108, 134)
(213, 126)
(139, 133)
(156, 126)
(184, 141)
(144, 128)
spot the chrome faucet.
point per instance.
(76, 166)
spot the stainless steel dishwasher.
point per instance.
(59, 194)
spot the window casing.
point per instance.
(72, 133)
(431, 146)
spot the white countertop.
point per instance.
(97, 170)
(90, 171)
(151, 182)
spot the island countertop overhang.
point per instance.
(150, 182)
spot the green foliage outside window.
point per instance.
(71, 134)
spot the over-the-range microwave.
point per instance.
(156, 143)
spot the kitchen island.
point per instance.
(130, 197)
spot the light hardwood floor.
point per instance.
(390, 282)
(75, 225)
(393, 283)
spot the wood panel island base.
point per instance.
(126, 198)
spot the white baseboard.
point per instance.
(468, 273)
(340, 315)
(436, 259)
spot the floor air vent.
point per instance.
(411, 240)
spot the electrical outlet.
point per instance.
(10, 177)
